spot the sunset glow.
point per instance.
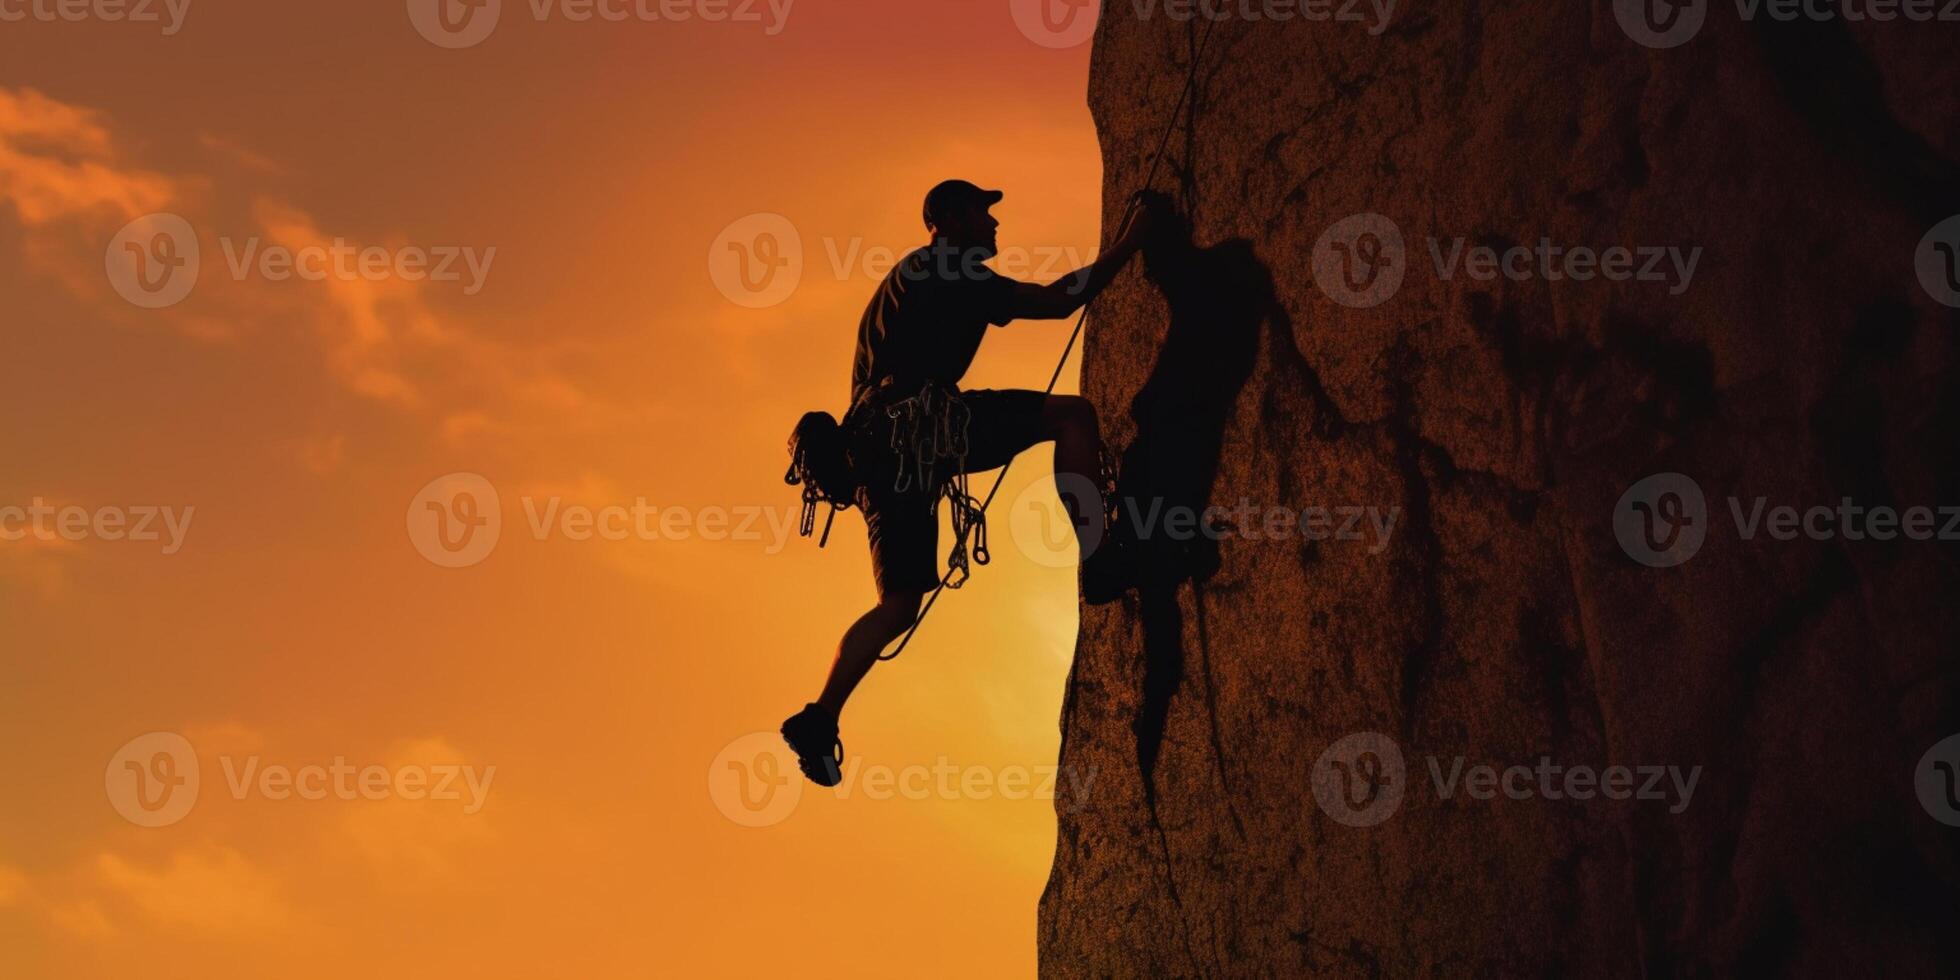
(646, 603)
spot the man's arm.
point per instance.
(1064, 296)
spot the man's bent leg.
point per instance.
(864, 641)
(1070, 420)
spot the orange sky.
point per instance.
(597, 365)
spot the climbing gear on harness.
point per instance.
(819, 460)
(812, 735)
(926, 428)
(1156, 160)
(930, 441)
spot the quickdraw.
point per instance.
(929, 437)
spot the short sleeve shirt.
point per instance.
(926, 320)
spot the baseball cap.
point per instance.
(950, 195)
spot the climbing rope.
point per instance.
(965, 517)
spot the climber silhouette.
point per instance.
(918, 336)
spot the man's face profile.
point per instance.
(969, 227)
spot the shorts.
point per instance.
(904, 527)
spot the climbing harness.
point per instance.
(977, 516)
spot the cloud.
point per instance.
(419, 842)
(36, 561)
(57, 161)
(390, 340)
(239, 154)
(83, 918)
(13, 886)
(214, 889)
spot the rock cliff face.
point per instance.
(1236, 827)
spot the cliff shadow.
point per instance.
(1221, 302)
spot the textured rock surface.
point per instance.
(1503, 622)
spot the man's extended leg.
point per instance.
(1070, 420)
(863, 642)
(812, 732)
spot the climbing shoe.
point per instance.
(812, 735)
